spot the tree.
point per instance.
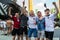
(59, 15)
(52, 10)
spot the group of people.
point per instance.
(38, 26)
(6, 26)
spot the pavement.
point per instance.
(9, 37)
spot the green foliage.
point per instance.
(59, 15)
(52, 10)
(36, 10)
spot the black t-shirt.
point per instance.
(24, 20)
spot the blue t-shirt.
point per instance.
(41, 24)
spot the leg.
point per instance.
(30, 31)
(51, 35)
(18, 34)
(21, 33)
(26, 32)
(21, 37)
(26, 37)
(14, 34)
(29, 38)
(9, 30)
(47, 39)
(36, 39)
(46, 35)
(18, 37)
(35, 34)
(42, 38)
(39, 35)
(42, 35)
(13, 37)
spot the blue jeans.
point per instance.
(32, 31)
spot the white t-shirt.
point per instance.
(3, 24)
(49, 22)
(31, 22)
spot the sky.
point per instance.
(38, 4)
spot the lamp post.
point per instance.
(30, 5)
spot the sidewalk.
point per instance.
(56, 35)
(10, 38)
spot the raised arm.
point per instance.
(57, 11)
(10, 12)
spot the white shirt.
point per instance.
(31, 22)
(49, 22)
(3, 24)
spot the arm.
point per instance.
(10, 12)
(57, 11)
(45, 6)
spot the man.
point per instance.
(32, 25)
(24, 25)
(49, 23)
(9, 25)
(16, 25)
(41, 25)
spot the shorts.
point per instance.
(16, 32)
(41, 34)
(32, 31)
(24, 30)
(49, 35)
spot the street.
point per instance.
(9, 37)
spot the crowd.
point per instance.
(26, 25)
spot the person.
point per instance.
(32, 25)
(16, 25)
(41, 25)
(9, 25)
(3, 25)
(49, 22)
(24, 25)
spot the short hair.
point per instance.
(47, 10)
(38, 12)
(13, 14)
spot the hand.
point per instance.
(35, 23)
(45, 5)
(54, 3)
(57, 11)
